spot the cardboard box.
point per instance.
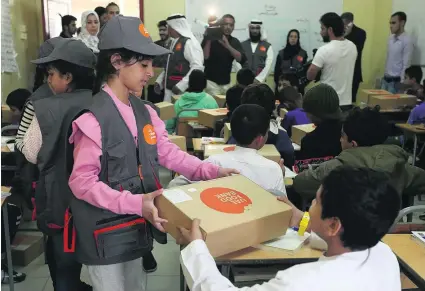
(235, 213)
(364, 95)
(208, 117)
(299, 131)
(227, 132)
(26, 247)
(178, 140)
(174, 98)
(166, 110)
(221, 100)
(6, 114)
(268, 151)
(393, 102)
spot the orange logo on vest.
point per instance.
(178, 46)
(143, 30)
(225, 200)
(300, 58)
(262, 48)
(149, 134)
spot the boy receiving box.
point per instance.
(353, 210)
(250, 125)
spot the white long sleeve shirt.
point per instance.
(194, 54)
(269, 61)
(373, 269)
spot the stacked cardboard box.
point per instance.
(299, 131)
(393, 102)
(208, 117)
(221, 100)
(166, 110)
(364, 96)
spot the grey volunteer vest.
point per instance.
(104, 237)
(256, 61)
(26, 173)
(52, 194)
(295, 63)
(177, 66)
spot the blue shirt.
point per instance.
(294, 117)
(417, 115)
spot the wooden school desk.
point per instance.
(411, 256)
(7, 236)
(264, 256)
(415, 130)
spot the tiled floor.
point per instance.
(166, 278)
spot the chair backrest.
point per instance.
(400, 227)
(9, 128)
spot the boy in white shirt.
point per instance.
(250, 125)
(353, 210)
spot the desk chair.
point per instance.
(9, 127)
(401, 227)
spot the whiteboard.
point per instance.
(8, 53)
(415, 26)
(278, 16)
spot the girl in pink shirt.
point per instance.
(124, 66)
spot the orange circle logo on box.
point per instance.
(225, 200)
(143, 30)
(149, 134)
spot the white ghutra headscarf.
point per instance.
(91, 41)
(256, 22)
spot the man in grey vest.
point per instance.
(259, 53)
(187, 56)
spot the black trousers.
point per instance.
(356, 85)
(64, 269)
(14, 218)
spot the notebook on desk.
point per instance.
(291, 241)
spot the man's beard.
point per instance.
(326, 38)
(255, 38)
(164, 37)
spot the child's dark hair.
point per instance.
(292, 78)
(248, 122)
(415, 72)
(40, 77)
(290, 98)
(17, 98)
(105, 69)
(197, 81)
(245, 77)
(82, 77)
(367, 127)
(364, 201)
(260, 94)
(233, 98)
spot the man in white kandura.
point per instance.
(259, 53)
(187, 56)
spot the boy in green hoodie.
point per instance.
(194, 98)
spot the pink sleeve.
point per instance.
(84, 181)
(171, 157)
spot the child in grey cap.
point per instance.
(119, 146)
(70, 67)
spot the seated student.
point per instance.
(261, 94)
(194, 98)
(16, 101)
(353, 210)
(363, 134)
(417, 115)
(292, 101)
(286, 80)
(412, 81)
(244, 77)
(250, 125)
(321, 103)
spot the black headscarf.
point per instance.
(291, 50)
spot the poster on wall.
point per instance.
(8, 53)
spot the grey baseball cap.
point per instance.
(72, 51)
(48, 46)
(129, 33)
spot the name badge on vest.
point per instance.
(263, 48)
(149, 134)
(300, 59)
(178, 47)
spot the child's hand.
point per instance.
(297, 214)
(187, 236)
(224, 172)
(150, 212)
